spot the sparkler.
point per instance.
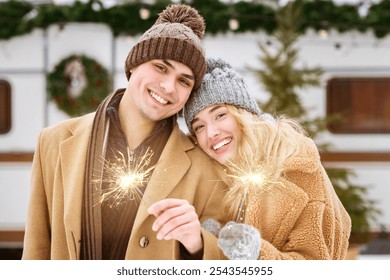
(125, 177)
(247, 180)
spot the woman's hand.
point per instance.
(239, 241)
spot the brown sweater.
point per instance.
(118, 220)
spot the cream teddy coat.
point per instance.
(53, 228)
(302, 218)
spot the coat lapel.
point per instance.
(170, 169)
(72, 154)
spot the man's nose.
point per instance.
(168, 85)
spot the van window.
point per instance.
(362, 103)
(5, 107)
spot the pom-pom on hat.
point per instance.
(177, 35)
(221, 85)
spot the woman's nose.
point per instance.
(213, 132)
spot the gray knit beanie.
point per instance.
(221, 85)
(177, 35)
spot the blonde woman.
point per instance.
(288, 208)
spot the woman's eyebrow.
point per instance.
(209, 112)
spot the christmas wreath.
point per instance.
(78, 84)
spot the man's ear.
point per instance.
(133, 69)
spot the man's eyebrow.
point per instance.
(168, 63)
(188, 76)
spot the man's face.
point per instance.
(160, 88)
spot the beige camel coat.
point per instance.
(302, 218)
(53, 228)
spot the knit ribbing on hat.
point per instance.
(176, 35)
(221, 85)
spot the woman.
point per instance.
(291, 201)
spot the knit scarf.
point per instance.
(91, 248)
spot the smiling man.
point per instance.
(74, 212)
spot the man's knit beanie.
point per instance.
(177, 35)
(221, 85)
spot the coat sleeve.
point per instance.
(325, 224)
(37, 230)
(305, 240)
(215, 211)
(211, 250)
(214, 190)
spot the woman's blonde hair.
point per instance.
(264, 141)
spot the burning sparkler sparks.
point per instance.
(247, 180)
(125, 176)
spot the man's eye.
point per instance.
(185, 82)
(161, 68)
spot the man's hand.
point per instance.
(177, 219)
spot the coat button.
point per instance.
(144, 241)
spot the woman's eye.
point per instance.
(220, 115)
(197, 128)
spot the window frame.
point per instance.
(6, 114)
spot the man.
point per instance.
(75, 209)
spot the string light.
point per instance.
(144, 13)
(96, 7)
(234, 24)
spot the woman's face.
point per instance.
(217, 132)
